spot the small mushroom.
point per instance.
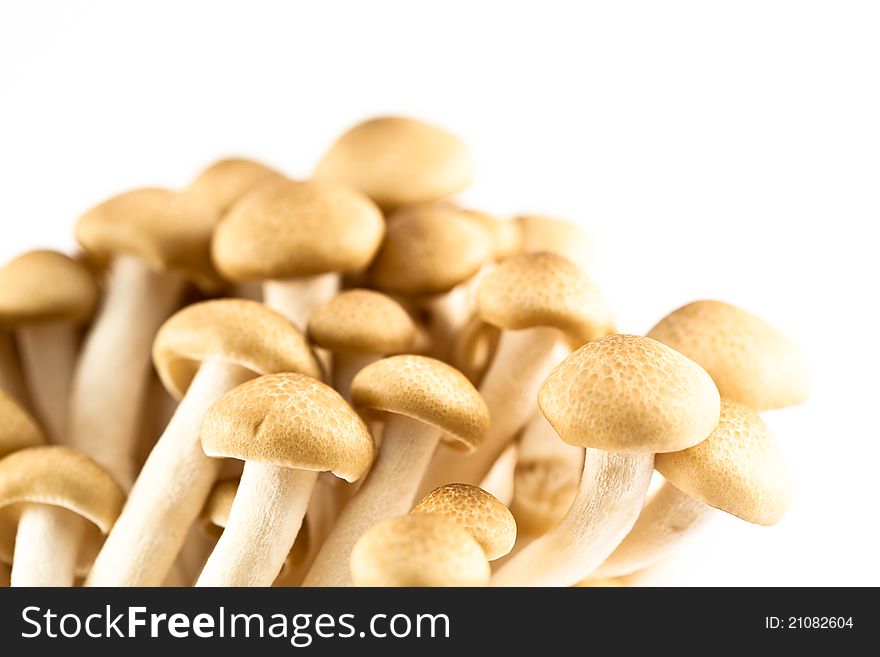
(222, 184)
(201, 352)
(287, 428)
(625, 398)
(425, 400)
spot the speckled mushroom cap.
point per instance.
(430, 251)
(544, 490)
(544, 289)
(481, 514)
(418, 550)
(18, 429)
(287, 229)
(289, 420)
(238, 331)
(427, 390)
(224, 182)
(362, 322)
(506, 235)
(46, 286)
(166, 229)
(399, 161)
(58, 476)
(739, 468)
(630, 394)
(751, 362)
(543, 233)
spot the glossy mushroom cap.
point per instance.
(398, 161)
(427, 390)
(362, 322)
(237, 331)
(292, 421)
(288, 229)
(739, 468)
(751, 362)
(220, 185)
(542, 233)
(18, 430)
(629, 394)
(418, 550)
(46, 286)
(475, 510)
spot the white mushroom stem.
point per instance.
(11, 380)
(447, 315)
(48, 355)
(46, 546)
(612, 492)
(295, 298)
(169, 492)
(666, 522)
(111, 376)
(388, 490)
(345, 366)
(263, 523)
(499, 480)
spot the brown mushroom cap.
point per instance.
(18, 429)
(427, 390)
(289, 420)
(544, 289)
(46, 286)
(739, 468)
(481, 514)
(543, 233)
(220, 185)
(362, 322)
(751, 361)
(238, 331)
(164, 228)
(418, 550)
(287, 229)
(398, 161)
(629, 394)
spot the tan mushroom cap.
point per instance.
(362, 322)
(545, 489)
(399, 161)
(18, 429)
(287, 229)
(481, 514)
(418, 550)
(544, 289)
(430, 251)
(225, 181)
(289, 420)
(543, 233)
(629, 394)
(58, 476)
(427, 390)
(506, 235)
(166, 229)
(46, 286)
(739, 468)
(751, 361)
(238, 331)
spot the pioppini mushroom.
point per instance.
(224, 182)
(398, 161)
(158, 238)
(45, 296)
(297, 237)
(287, 428)
(201, 352)
(424, 400)
(624, 398)
(60, 502)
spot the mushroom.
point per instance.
(398, 161)
(201, 352)
(59, 500)
(45, 296)
(159, 239)
(286, 427)
(624, 398)
(425, 400)
(296, 237)
(222, 184)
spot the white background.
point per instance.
(726, 150)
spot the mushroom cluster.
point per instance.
(351, 379)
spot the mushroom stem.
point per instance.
(265, 518)
(46, 546)
(345, 366)
(48, 354)
(498, 482)
(448, 313)
(11, 379)
(666, 522)
(296, 297)
(112, 373)
(388, 490)
(169, 492)
(612, 491)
